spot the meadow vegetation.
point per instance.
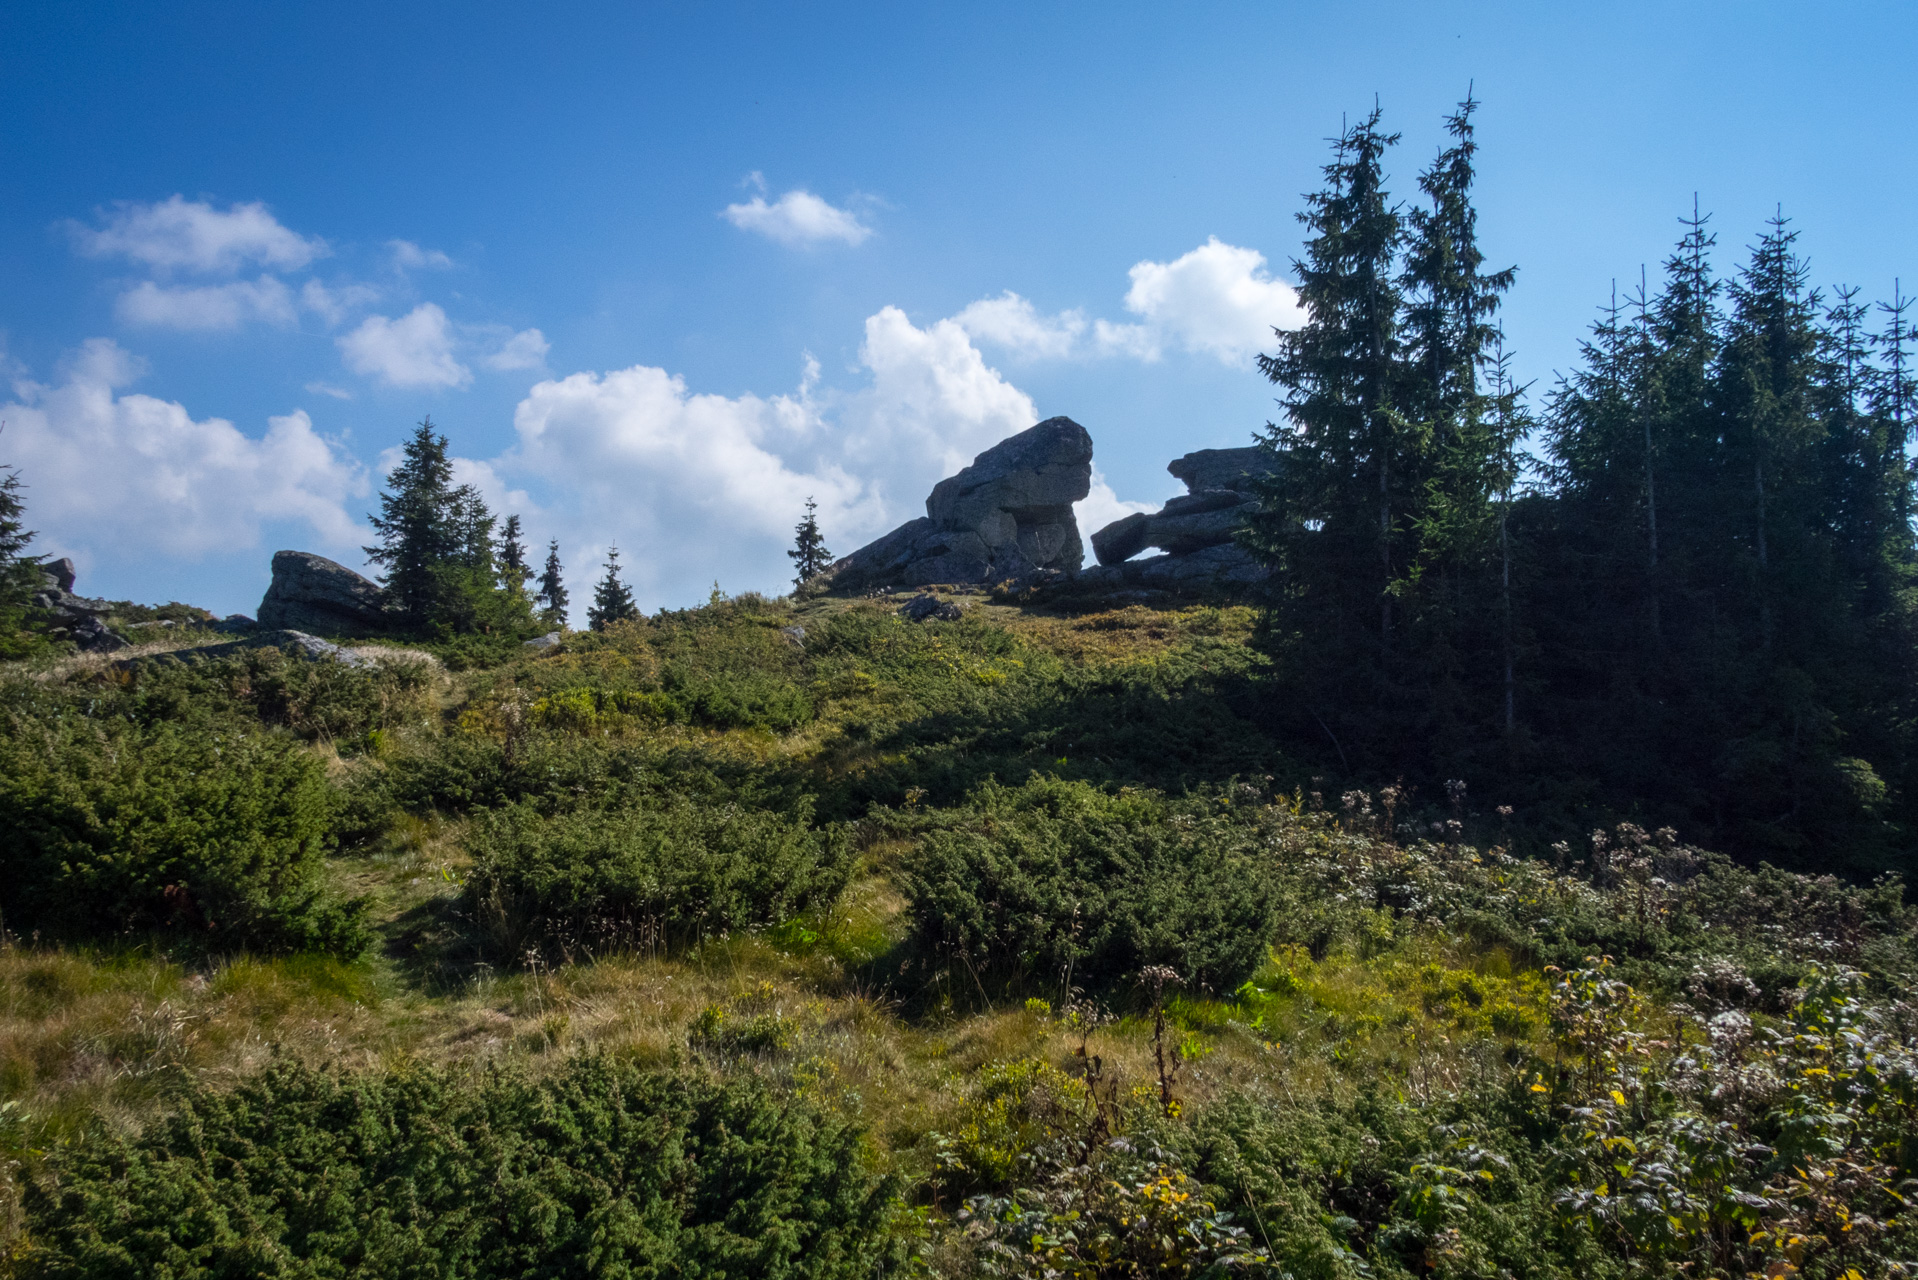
(1008, 946)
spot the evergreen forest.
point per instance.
(1512, 885)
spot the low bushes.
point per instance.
(662, 874)
(1061, 882)
(601, 1169)
(214, 835)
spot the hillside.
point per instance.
(798, 938)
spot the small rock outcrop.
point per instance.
(75, 618)
(1195, 530)
(930, 608)
(312, 594)
(1007, 515)
(295, 644)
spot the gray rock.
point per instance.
(541, 644)
(293, 643)
(795, 636)
(1123, 538)
(1225, 566)
(1220, 484)
(310, 593)
(930, 608)
(1007, 515)
(59, 573)
(92, 636)
(234, 624)
(1222, 468)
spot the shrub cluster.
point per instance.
(116, 829)
(664, 873)
(600, 1169)
(1063, 883)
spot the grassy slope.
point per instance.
(904, 717)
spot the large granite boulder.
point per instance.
(312, 594)
(1007, 515)
(1195, 529)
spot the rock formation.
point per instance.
(75, 618)
(310, 593)
(1195, 530)
(295, 644)
(1007, 515)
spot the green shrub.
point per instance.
(118, 830)
(1056, 878)
(600, 1170)
(663, 874)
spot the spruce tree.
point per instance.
(514, 572)
(552, 597)
(809, 554)
(1330, 516)
(19, 573)
(612, 599)
(419, 528)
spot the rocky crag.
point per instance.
(75, 617)
(312, 594)
(1008, 515)
(1195, 530)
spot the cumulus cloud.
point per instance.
(524, 350)
(408, 256)
(332, 304)
(685, 482)
(125, 476)
(192, 235)
(797, 218)
(207, 307)
(1217, 300)
(1011, 322)
(415, 350)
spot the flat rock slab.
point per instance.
(294, 643)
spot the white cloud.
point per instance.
(219, 306)
(797, 218)
(689, 485)
(408, 256)
(1217, 299)
(524, 350)
(192, 235)
(933, 404)
(122, 477)
(1011, 322)
(415, 350)
(328, 389)
(333, 304)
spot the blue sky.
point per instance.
(515, 218)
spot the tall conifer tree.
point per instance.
(809, 554)
(553, 598)
(612, 599)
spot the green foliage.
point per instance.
(639, 877)
(1061, 884)
(809, 554)
(601, 1169)
(436, 544)
(118, 830)
(612, 598)
(552, 596)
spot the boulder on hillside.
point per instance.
(312, 594)
(1007, 515)
(1195, 529)
(75, 617)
